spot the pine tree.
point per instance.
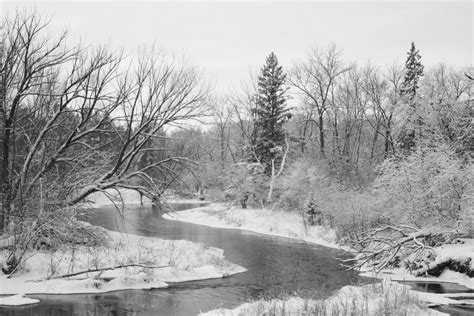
(413, 72)
(408, 91)
(270, 113)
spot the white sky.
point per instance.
(229, 39)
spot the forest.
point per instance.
(383, 156)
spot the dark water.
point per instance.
(437, 287)
(456, 310)
(445, 287)
(276, 266)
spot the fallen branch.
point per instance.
(142, 265)
(380, 247)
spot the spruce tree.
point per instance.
(408, 92)
(413, 72)
(270, 113)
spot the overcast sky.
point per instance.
(228, 39)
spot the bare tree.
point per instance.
(243, 104)
(315, 80)
(443, 84)
(348, 113)
(376, 88)
(394, 76)
(222, 116)
(80, 118)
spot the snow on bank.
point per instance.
(116, 196)
(460, 252)
(386, 298)
(17, 300)
(159, 261)
(269, 222)
(183, 200)
(131, 197)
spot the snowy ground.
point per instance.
(160, 261)
(113, 196)
(17, 300)
(386, 298)
(442, 254)
(276, 223)
(130, 197)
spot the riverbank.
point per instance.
(116, 197)
(386, 298)
(290, 225)
(263, 221)
(443, 257)
(121, 197)
(125, 262)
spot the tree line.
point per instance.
(352, 117)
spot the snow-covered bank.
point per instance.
(461, 252)
(145, 263)
(269, 222)
(386, 298)
(292, 226)
(17, 300)
(116, 197)
(131, 197)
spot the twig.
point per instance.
(108, 268)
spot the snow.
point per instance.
(131, 197)
(17, 300)
(179, 260)
(170, 197)
(115, 196)
(403, 275)
(263, 221)
(373, 299)
(291, 225)
(183, 200)
(442, 253)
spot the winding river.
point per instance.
(276, 266)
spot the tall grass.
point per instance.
(386, 298)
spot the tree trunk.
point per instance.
(388, 140)
(303, 138)
(3, 148)
(336, 145)
(321, 133)
(374, 140)
(222, 149)
(275, 176)
(358, 141)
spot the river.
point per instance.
(276, 266)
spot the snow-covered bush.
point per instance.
(342, 208)
(432, 187)
(247, 184)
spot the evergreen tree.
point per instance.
(408, 90)
(413, 72)
(270, 113)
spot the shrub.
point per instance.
(430, 188)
